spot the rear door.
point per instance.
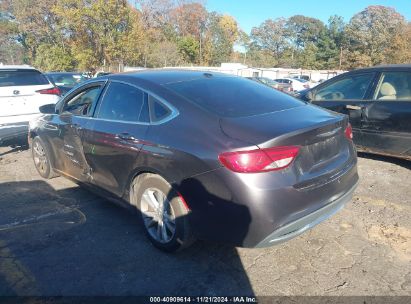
(348, 94)
(387, 119)
(114, 140)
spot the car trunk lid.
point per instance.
(319, 134)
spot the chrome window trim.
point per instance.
(120, 121)
(173, 111)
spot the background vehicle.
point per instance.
(65, 81)
(201, 155)
(284, 87)
(297, 84)
(378, 103)
(306, 80)
(304, 77)
(23, 90)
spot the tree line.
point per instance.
(64, 35)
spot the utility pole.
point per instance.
(341, 53)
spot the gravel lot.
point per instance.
(59, 239)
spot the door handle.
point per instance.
(352, 107)
(125, 136)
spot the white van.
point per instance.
(23, 89)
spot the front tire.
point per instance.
(41, 158)
(163, 214)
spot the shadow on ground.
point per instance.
(397, 161)
(71, 242)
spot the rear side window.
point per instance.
(121, 102)
(234, 96)
(394, 86)
(21, 78)
(158, 110)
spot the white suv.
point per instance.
(23, 90)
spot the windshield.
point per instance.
(268, 81)
(233, 96)
(301, 80)
(66, 80)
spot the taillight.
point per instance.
(52, 91)
(348, 132)
(259, 160)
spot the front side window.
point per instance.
(349, 87)
(83, 103)
(394, 86)
(121, 102)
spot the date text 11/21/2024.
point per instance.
(205, 299)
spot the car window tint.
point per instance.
(158, 110)
(21, 78)
(394, 86)
(121, 102)
(83, 103)
(349, 87)
(233, 96)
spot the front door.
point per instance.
(347, 95)
(73, 119)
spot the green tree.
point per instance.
(370, 35)
(330, 44)
(221, 34)
(271, 37)
(189, 48)
(303, 30)
(53, 58)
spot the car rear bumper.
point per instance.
(257, 210)
(307, 222)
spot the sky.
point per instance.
(250, 13)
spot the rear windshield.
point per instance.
(21, 78)
(233, 96)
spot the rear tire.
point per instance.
(41, 158)
(162, 212)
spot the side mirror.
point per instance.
(48, 109)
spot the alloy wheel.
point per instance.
(40, 158)
(158, 215)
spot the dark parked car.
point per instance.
(65, 81)
(201, 155)
(378, 103)
(284, 87)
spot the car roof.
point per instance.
(16, 67)
(165, 76)
(384, 67)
